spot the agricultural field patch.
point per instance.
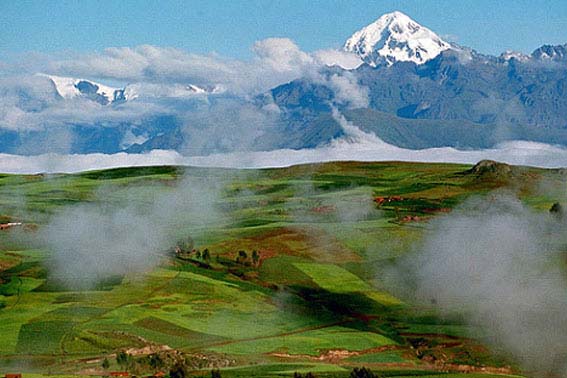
(42, 337)
(311, 343)
(333, 278)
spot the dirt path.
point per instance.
(338, 356)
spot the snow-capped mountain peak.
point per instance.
(556, 53)
(68, 87)
(510, 54)
(395, 37)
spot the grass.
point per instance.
(18, 285)
(338, 280)
(42, 337)
(379, 358)
(317, 287)
(333, 278)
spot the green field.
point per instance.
(315, 301)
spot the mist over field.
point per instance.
(128, 231)
(500, 263)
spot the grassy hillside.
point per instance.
(313, 299)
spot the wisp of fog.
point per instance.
(94, 241)
(503, 264)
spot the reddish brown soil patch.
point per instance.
(323, 209)
(383, 200)
(291, 241)
(412, 218)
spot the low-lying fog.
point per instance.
(356, 145)
(518, 153)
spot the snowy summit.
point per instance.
(68, 87)
(395, 37)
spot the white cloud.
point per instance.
(348, 91)
(276, 60)
(31, 103)
(159, 80)
(339, 58)
(281, 55)
(227, 125)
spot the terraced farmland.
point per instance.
(314, 299)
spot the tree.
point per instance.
(242, 256)
(198, 254)
(255, 257)
(215, 373)
(155, 361)
(307, 375)
(556, 208)
(122, 358)
(184, 245)
(105, 364)
(178, 371)
(362, 373)
(206, 255)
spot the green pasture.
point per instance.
(317, 287)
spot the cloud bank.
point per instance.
(202, 103)
(356, 145)
(518, 153)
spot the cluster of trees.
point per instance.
(129, 363)
(125, 361)
(177, 366)
(355, 373)
(205, 255)
(306, 375)
(364, 373)
(185, 247)
(179, 370)
(243, 258)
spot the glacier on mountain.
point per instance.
(395, 37)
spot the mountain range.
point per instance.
(420, 90)
(426, 92)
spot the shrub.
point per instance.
(362, 373)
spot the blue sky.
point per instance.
(231, 27)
